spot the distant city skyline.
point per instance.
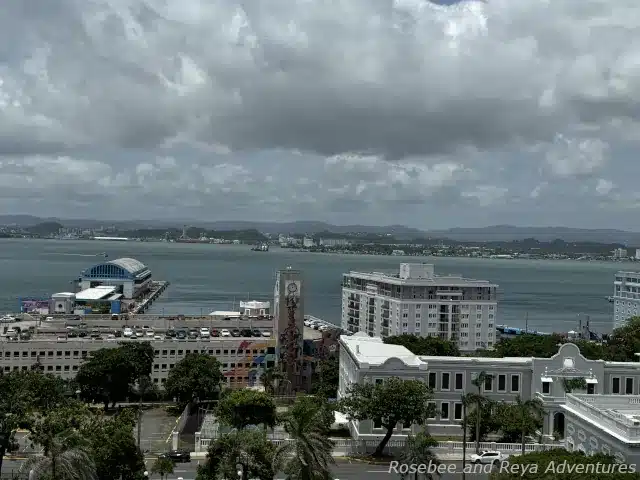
(432, 116)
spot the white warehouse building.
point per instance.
(417, 301)
(368, 359)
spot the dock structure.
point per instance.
(157, 289)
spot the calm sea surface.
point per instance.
(203, 278)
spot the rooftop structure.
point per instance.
(368, 350)
(122, 268)
(131, 277)
(101, 292)
(415, 300)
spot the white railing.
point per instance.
(603, 413)
(348, 446)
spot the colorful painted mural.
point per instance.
(258, 359)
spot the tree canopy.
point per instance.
(387, 404)
(241, 408)
(432, 346)
(560, 464)
(327, 377)
(109, 374)
(22, 394)
(195, 376)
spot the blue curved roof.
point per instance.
(120, 268)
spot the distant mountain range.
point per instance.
(495, 233)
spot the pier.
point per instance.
(157, 289)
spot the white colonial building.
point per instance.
(417, 301)
(369, 359)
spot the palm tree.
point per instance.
(163, 467)
(60, 463)
(270, 379)
(467, 399)
(418, 452)
(479, 400)
(307, 455)
(529, 414)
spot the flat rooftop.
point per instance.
(373, 351)
(96, 293)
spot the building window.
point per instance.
(444, 410)
(432, 408)
(615, 385)
(502, 383)
(406, 426)
(444, 385)
(459, 381)
(515, 383)
(457, 411)
(432, 380)
(628, 386)
(488, 383)
(377, 424)
(546, 388)
(379, 381)
(591, 388)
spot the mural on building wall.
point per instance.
(34, 305)
(250, 358)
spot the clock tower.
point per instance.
(288, 325)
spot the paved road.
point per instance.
(344, 470)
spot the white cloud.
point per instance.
(189, 103)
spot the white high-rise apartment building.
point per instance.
(416, 301)
(626, 297)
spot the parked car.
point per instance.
(266, 333)
(487, 457)
(235, 332)
(204, 332)
(225, 333)
(245, 333)
(256, 333)
(215, 333)
(177, 456)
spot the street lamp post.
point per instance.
(240, 470)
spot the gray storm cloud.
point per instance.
(482, 98)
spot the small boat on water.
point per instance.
(261, 247)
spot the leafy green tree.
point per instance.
(309, 453)
(113, 447)
(109, 374)
(418, 452)
(163, 467)
(327, 378)
(541, 346)
(21, 395)
(241, 408)
(546, 465)
(323, 411)
(624, 342)
(433, 346)
(388, 404)
(195, 376)
(523, 417)
(489, 420)
(66, 450)
(251, 449)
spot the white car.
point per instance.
(127, 332)
(487, 457)
(204, 332)
(225, 333)
(266, 333)
(149, 333)
(49, 319)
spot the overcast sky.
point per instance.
(349, 111)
